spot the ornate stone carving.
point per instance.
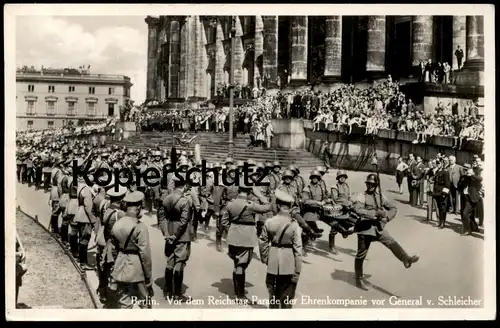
(152, 22)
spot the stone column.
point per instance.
(191, 57)
(174, 62)
(202, 59)
(459, 38)
(183, 58)
(270, 47)
(299, 48)
(258, 48)
(160, 78)
(152, 49)
(423, 29)
(238, 53)
(333, 46)
(220, 57)
(475, 37)
(375, 56)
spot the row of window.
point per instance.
(52, 89)
(71, 110)
(29, 123)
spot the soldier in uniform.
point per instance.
(442, 184)
(287, 186)
(374, 215)
(313, 199)
(275, 175)
(131, 274)
(340, 194)
(64, 188)
(238, 217)
(218, 191)
(55, 178)
(47, 172)
(280, 247)
(177, 227)
(69, 216)
(157, 165)
(298, 180)
(84, 218)
(322, 170)
(107, 253)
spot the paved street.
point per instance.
(450, 265)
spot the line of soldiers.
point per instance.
(247, 214)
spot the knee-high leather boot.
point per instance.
(64, 233)
(73, 244)
(178, 278)
(331, 244)
(169, 283)
(358, 271)
(54, 223)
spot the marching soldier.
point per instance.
(280, 247)
(313, 199)
(106, 251)
(131, 274)
(322, 170)
(341, 194)
(84, 218)
(287, 186)
(69, 216)
(374, 215)
(275, 175)
(64, 188)
(238, 217)
(441, 191)
(177, 227)
(47, 172)
(298, 180)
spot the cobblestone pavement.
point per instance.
(450, 265)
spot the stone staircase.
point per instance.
(214, 148)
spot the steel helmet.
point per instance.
(315, 173)
(341, 173)
(321, 169)
(372, 178)
(287, 174)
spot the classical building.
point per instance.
(50, 98)
(189, 56)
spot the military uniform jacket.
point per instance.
(176, 219)
(70, 210)
(239, 218)
(157, 166)
(366, 205)
(274, 180)
(290, 189)
(85, 214)
(280, 245)
(133, 262)
(110, 216)
(311, 195)
(322, 183)
(55, 178)
(299, 183)
(217, 197)
(63, 190)
(230, 193)
(98, 199)
(341, 194)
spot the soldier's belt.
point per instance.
(281, 245)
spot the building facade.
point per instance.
(50, 98)
(189, 56)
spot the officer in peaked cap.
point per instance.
(176, 224)
(132, 270)
(238, 216)
(282, 234)
(106, 253)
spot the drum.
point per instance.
(332, 211)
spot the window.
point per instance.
(71, 108)
(111, 91)
(91, 90)
(50, 124)
(51, 107)
(52, 89)
(111, 109)
(31, 88)
(71, 88)
(30, 107)
(29, 125)
(91, 109)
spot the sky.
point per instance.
(109, 44)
